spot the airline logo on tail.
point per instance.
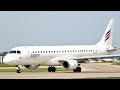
(107, 35)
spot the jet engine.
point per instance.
(31, 66)
(70, 64)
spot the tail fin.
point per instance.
(108, 35)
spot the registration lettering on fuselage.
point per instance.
(35, 55)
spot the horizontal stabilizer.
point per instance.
(112, 49)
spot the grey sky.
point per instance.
(55, 27)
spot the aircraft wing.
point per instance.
(98, 56)
(85, 58)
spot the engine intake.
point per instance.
(70, 64)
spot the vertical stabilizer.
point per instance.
(108, 35)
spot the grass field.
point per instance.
(3, 69)
(104, 78)
(5, 65)
(28, 70)
(116, 63)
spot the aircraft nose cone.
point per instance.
(5, 60)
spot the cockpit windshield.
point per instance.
(19, 52)
(14, 52)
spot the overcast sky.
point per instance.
(20, 28)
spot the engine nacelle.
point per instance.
(31, 66)
(70, 64)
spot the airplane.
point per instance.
(109, 60)
(68, 56)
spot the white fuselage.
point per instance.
(44, 55)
